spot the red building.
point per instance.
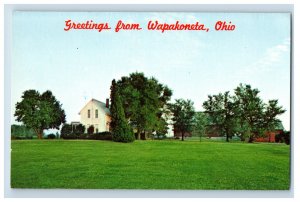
(270, 136)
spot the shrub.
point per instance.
(51, 136)
(278, 138)
(70, 136)
(125, 135)
(287, 138)
(82, 136)
(101, 136)
(66, 131)
(78, 129)
(91, 129)
(20, 132)
(283, 137)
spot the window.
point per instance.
(96, 113)
(89, 113)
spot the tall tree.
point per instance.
(183, 116)
(40, 111)
(250, 110)
(220, 109)
(121, 130)
(113, 89)
(201, 121)
(143, 100)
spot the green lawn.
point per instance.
(149, 164)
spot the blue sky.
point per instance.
(79, 64)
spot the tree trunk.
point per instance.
(251, 139)
(227, 135)
(182, 136)
(143, 135)
(40, 134)
(138, 135)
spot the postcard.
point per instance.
(150, 100)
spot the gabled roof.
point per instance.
(99, 103)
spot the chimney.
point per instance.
(107, 103)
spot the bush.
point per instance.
(21, 132)
(90, 130)
(283, 137)
(69, 136)
(125, 135)
(66, 131)
(101, 136)
(51, 136)
(82, 136)
(287, 138)
(78, 129)
(278, 138)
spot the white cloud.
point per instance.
(271, 56)
(266, 62)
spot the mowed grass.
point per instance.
(149, 165)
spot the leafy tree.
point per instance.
(250, 109)
(183, 115)
(143, 101)
(220, 109)
(40, 111)
(121, 130)
(201, 121)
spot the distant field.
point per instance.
(165, 164)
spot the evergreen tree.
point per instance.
(121, 130)
(112, 101)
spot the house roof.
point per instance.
(100, 104)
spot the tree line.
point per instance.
(141, 107)
(243, 114)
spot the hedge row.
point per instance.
(95, 136)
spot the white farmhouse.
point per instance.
(96, 113)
